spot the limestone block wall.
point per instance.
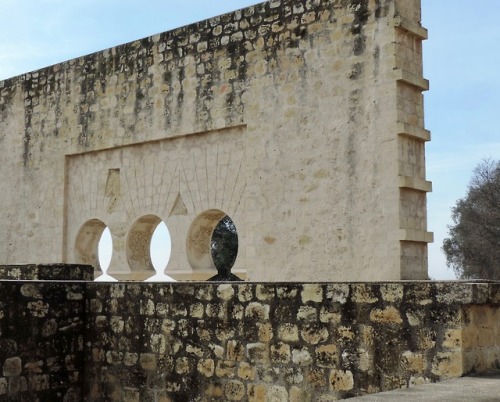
(302, 120)
(73, 340)
(282, 341)
(41, 340)
(480, 337)
(46, 272)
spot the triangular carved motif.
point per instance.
(179, 207)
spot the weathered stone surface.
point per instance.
(448, 364)
(360, 339)
(53, 272)
(43, 340)
(234, 390)
(387, 315)
(368, 337)
(312, 293)
(12, 367)
(341, 380)
(257, 311)
(288, 332)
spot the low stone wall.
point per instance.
(47, 272)
(188, 341)
(284, 342)
(41, 340)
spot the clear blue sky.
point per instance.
(461, 60)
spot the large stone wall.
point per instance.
(300, 119)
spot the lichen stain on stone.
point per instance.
(321, 174)
(304, 240)
(310, 188)
(376, 60)
(269, 240)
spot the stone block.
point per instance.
(257, 311)
(362, 293)
(214, 390)
(182, 365)
(389, 315)
(257, 353)
(197, 310)
(312, 292)
(392, 292)
(452, 339)
(131, 395)
(277, 394)
(257, 393)
(225, 369)
(234, 390)
(130, 359)
(448, 364)
(245, 293)
(341, 380)
(39, 382)
(413, 362)
(314, 334)
(299, 395)
(235, 350)
(246, 371)
(17, 385)
(3, 386)
(329, 315)
(288, 332)
(206, 367)
(12, 367)
(148, 361)
(301, 356)
(327, 356)
(265, 292)
(307, 313)
(265, 331)
(225, 292)
(280, 353)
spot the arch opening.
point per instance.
(160, 247)
(212, 242)
(148, 247)
(105, 250)
(160, 250)
(93, 245)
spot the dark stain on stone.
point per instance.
(354, 104)
(180, 95)
(298, 34)
(28, 113)
(356, 71)
(359, 45)
(376, 60)
(382, 8)
(361, 16)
